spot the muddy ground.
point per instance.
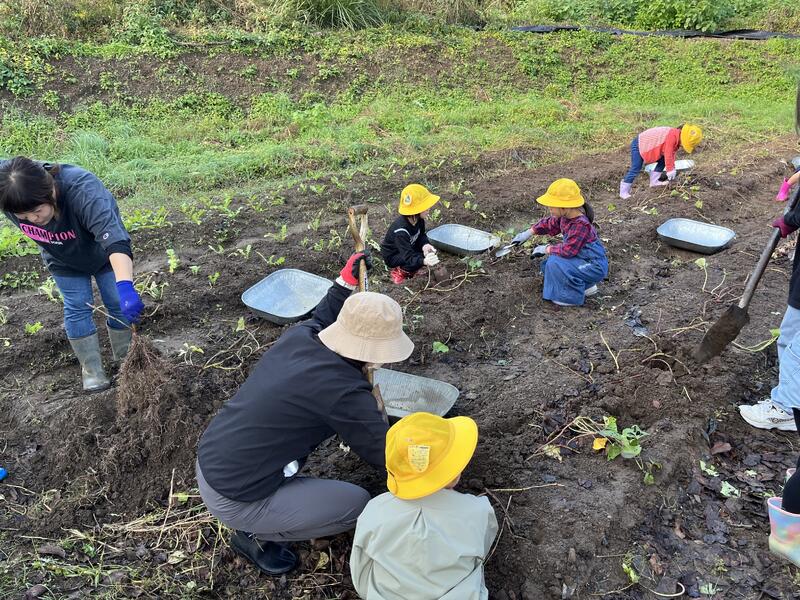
(525, 371)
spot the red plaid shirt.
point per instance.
(577, 233)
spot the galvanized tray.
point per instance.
(695, 235)
(796, 162)
(462, 240)
(680, 165)
(404, 394)
(286, 295)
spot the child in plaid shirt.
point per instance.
(573, 267)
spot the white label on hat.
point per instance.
(407, 199)
(419, 457)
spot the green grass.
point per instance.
(566, 94)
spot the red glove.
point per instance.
(349, 273)
(785, 229)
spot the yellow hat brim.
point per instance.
(419, 207)
(555, 202)
(465, 440)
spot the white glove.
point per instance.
(431, 260)
(671, 174)
(522, 237)
(539, 251)
(428, 249)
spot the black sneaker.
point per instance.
(271, 558)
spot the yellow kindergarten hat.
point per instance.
(425, 452)
(562, 193)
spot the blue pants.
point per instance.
(77, 292)
(787, 393)
(566, 279)
(637, 162)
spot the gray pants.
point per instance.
(303, 508)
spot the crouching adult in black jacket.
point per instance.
(309, 386)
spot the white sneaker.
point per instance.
(591, 291)
(767, 415)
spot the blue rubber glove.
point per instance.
(129, 301)
(522, 237)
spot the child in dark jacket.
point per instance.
(573, 267)
(405, 247)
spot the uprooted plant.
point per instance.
(608, 437)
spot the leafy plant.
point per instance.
(33, 328)
(440, 347)
(173, 260)
(701, 263)
(315, 222)
(624, 443)
(195, 269)
(193, 212)
(3, 315)
(142, 218)
(212, 279)
(188, 350)
(281, 234)
(17, 280)
(14, 243)
(239, 325)
(50, 289)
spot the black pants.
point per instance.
(791, 491)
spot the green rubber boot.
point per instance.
(87, 349)
(120, 342)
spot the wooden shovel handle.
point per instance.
(359, 234)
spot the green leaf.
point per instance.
(612, 207)
(240, 325)
(440, 348)
(708, 469)
(701, 262)
(729, 490)
(610, 423)
(181, 497)
(698, 205)
(708, 589)
(613, 451)
(630, 572)
(649, 479)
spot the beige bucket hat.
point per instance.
(369, 328)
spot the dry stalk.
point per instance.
(610, 351)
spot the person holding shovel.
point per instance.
(405, 247)
(782, 409)
(312, 384)
(75, 221)
(659, 145)
(572, 268)
(422, 540)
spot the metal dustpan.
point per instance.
(680, 165)
(462, 240)
(404, 394)
(695, 235)
(286, 295)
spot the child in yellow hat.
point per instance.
(573, 268)
(405, 247)
(659, 145)
(423, 540)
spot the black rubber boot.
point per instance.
(272, 558)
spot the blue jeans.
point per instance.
(637, 162)
(567, 279)
(787, 393)
(79, 299)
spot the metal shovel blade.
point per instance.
(722, 333)
(504, 250)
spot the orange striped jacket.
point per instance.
(660, 141)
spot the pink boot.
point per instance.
(625, 190)
(783, 194)
(655, 176)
